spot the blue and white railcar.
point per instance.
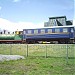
(62, 34)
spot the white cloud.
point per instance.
(0, 7)
(16, 0)
(11, 26)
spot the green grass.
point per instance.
(53, 50)
(36, 63)
(38, 66)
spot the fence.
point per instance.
(46, 50)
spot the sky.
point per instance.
(23, 14)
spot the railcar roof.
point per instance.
(53, 27)
(60, 26)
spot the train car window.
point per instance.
(21, 32)
(0, 32)
(12, 32)
(35, 31)
(24, 32)
(49, 30)
(42, 30)
(57, 30)
(72, 30)
(29, 31)
(65, 30)
(8, 32)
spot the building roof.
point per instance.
(57, 17)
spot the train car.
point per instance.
(11, 38)
(55, 34)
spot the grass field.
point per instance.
(53, 50)
(41, 60)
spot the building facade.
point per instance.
(58, 21)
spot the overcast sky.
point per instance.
(21, 14)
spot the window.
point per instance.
(21, 32)
(49, 30)
(54, 22)
(65, 30)
(72, 30)
(57, 30)
(42, 31)
(29, 31)
(24, 32)
(0, 32)
(35, 31)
